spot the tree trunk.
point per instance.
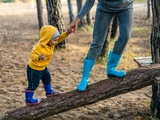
(104, 89)
(155, 51)
(148, 9)
(155, 35)
(55, 17)
(114, 27)
(88, 18)
(40, 13)
(105, 47)
(102, 57)
(79, 6)
(71, 16)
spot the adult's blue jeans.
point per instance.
(101, 26)
(34, 77)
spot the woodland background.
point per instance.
(19, 32)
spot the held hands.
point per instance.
(42, 57)
(68, 31)
(73, 26)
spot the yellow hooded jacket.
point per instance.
(46, 33)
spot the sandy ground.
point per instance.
(19, 33)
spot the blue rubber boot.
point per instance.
(29, 98)
(88, 64)
(113, 61)
(49, 90)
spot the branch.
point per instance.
(104, 89)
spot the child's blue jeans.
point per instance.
(101, 26)
(34, 77)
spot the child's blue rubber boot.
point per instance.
(113, 61)
(29, 98)
(49, 90)
(88, 64)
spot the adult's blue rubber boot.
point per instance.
(113, 61)
(88, 64)
(49, 90)
(29, 98)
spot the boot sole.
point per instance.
(54, 94)
(113, 76)
(32, 104)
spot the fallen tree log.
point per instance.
(104, 89)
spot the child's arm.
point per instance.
(34, 56)
(63, 36)
(37, 55)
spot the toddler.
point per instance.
(40, 57)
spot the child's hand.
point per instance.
(42, 57)
(69, 31)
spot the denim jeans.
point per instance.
(101, 26)
(34, 77)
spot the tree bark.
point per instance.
(148, 9)
(55, 18)
(88, 19)
(104, 89)
(102, 57)
(155, 35)
(114, 27)
(71, 16)
(40, 13)
(155, 51)
(79, 6)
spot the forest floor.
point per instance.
(19, 33)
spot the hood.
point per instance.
(46, 33)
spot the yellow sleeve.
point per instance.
(62, 37)
(34, 54)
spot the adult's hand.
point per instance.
(73, 25)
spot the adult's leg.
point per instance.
(102, 21)
(101, 26)
(125, 19)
